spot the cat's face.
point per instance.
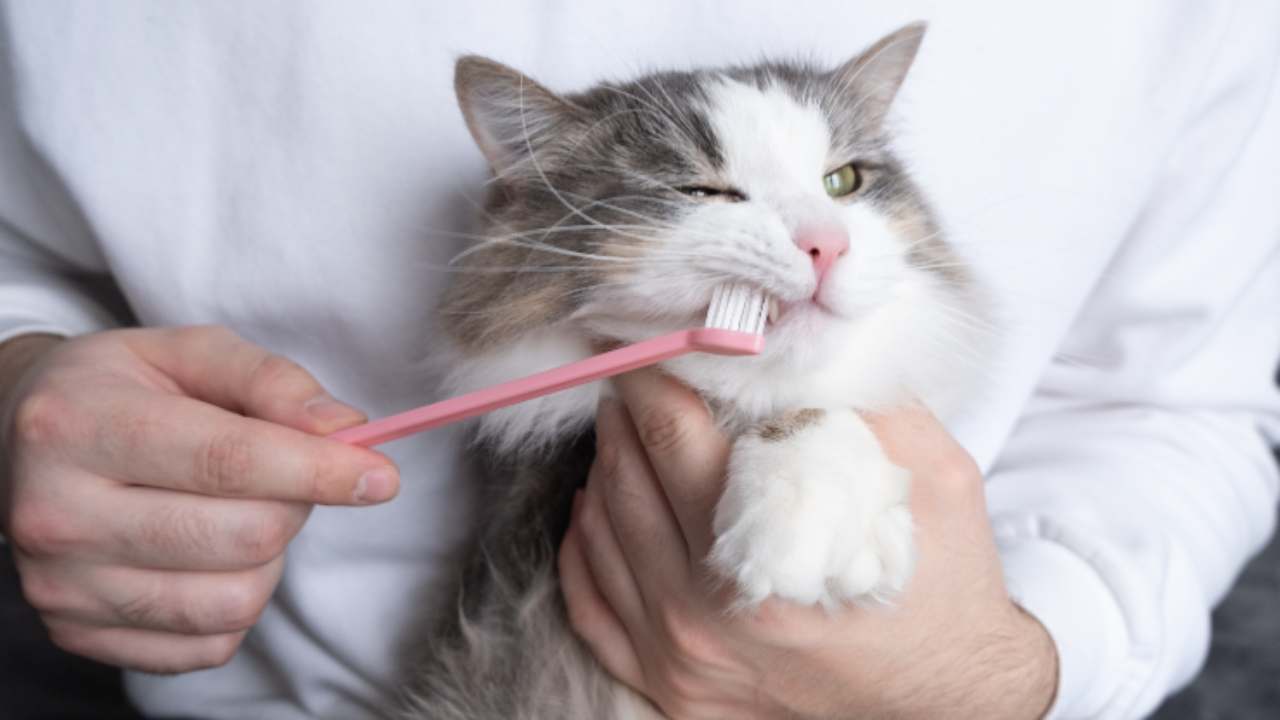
(617, 211)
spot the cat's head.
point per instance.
(615, 212)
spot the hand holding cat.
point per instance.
(640, 595)
(153, 480)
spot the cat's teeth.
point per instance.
(773, 310)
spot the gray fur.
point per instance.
(507, 652)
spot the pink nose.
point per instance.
(824, 245)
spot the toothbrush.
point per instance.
(734, 326)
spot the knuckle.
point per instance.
(42, 531)
(42, 591)
(238, 605)
(67, 638)
(771, 618)
(582, 617)
(662, 428)
(688, 639)
(40, 418)
(262, 538)
(270, 372)
(583, 614)
(221, 649)
(224, 464)
(958, 474)
(592, 518)
(144, 609)
(607, 458)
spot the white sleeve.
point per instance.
(52, 274)
(1140, 480)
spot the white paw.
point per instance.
(813, 512)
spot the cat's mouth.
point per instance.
(780, 311)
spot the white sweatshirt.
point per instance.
(288, 169)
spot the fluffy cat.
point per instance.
(613, 214)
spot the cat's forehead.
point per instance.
(773, 123)
(770, 136)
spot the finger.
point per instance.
(184, 444)
(642, 519)
(145, 650)
(592, 619)
(214, 364)
(943, 473)
(186, 603)
(165, 530)
(143, 527)
(686, 450)
(606, 561)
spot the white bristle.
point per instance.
(738, 307)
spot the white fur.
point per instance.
(533, 423)
(889, 336)
(818, 517)
(821, 517)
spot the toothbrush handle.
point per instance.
(608, 364)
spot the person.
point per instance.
(217, 218)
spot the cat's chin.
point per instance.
(805, 318)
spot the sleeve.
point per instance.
(52, 274)
(1140, 479)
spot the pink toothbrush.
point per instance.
(734, 326)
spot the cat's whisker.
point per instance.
(483, 237)
(498, 308)
(604, 203)
(543, 248)
(968, 320)
(532, 155)
(520, 269)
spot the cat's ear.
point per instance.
(509, 114)
(871, 80)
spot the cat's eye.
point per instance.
(843, 181)
(706, 192)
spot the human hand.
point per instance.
(634, 574)
(153, 479)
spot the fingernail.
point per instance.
(375, 486)
(326, 409)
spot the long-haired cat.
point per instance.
(613, 214)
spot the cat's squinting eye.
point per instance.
(843, 181)
(706, 192)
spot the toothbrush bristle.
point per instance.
(738, 307)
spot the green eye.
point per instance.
(843, 181)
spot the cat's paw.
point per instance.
(813, 512)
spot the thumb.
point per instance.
(213, 364)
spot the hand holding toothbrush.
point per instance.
(152, 479)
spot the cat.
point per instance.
(613, 214)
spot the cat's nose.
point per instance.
(824, 245)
